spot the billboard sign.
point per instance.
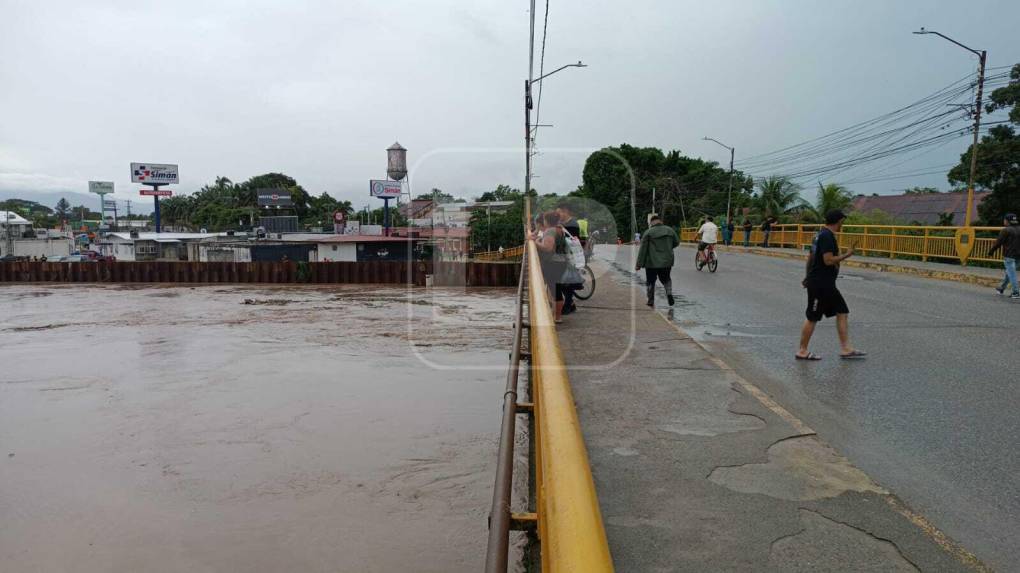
(274, 198)
(154, 173)
(101, 187)
(384, 189)
(156, 192)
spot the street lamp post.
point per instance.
(729, 191)
(982, 55)
(528, 84)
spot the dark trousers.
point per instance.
(747, 238)
(766, 243)
(663, 277)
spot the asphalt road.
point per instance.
(933, 413)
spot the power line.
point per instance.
(541, 69)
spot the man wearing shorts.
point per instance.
(824, 299)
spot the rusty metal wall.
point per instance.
(474, 274)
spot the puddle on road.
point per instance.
(180, 429)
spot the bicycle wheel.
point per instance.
(585, 292)
(713, 263)
(697, 263)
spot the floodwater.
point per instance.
(248, 429)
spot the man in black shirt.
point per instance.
(569, 223)
(1009, 242)
(824, 299)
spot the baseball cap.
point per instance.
(834, 216)
(1011, 217)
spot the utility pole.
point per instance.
(729, 191)
(128, 208)
(982, 57)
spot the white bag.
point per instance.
(575, 250)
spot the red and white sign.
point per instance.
(156, 192)
(383, 188)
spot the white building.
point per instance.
(18, 238)
(135, 246)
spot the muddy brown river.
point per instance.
(348, 428)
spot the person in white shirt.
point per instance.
(708, 234)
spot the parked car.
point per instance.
(94, 256)
(76, 259)
(12, 259)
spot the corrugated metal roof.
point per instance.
(924, 208)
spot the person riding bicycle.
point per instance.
(708, 234)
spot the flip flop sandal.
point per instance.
(810, 356)
(854, 354)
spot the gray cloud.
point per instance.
(318, 90)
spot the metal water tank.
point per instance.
(396, 162)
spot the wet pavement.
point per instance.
(697, 468)
(931, 414)
(248, 429)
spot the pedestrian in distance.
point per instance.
(766, 229)
(748, 226)
(727, 232)
(570, 224)
(824, 299)
(656, 257)
(1009, 242)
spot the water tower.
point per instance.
(396, 162)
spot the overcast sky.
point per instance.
(318, 90)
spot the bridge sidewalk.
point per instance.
(984, 276)
(698, 470)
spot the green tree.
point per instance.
(998, 160)
(437, 195)
(62, 208)
(921, 191)
(505, 228)
(682, 186)
(830, 197)
(777, 197)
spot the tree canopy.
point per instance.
(998, 159)
(227, 205)
(684, 187)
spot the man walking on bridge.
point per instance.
(656, 257)
(824, 299)
(1009, 242)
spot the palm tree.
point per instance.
(831, 197)
(777, 196)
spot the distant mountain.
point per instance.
(139, 205)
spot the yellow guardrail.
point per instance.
(513, 253)
(891, 241)
(570, 526)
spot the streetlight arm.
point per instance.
(577, 65)
(945, 37)
(719, 142)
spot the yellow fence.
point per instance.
(512, 254)
(961, 244)
(570, 526)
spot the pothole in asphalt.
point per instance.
(799, 468)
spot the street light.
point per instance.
(981, 54)
(729, 191)
(527, 134)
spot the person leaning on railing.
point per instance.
(1009, 242)
(552, 254)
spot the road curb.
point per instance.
(959, 277)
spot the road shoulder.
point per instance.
(696, 468)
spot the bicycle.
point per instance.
(709, 258)
(588, 286)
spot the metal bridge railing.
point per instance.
(571, 536)
(904, 241)
(513, 253)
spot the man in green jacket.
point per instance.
(656, 257)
